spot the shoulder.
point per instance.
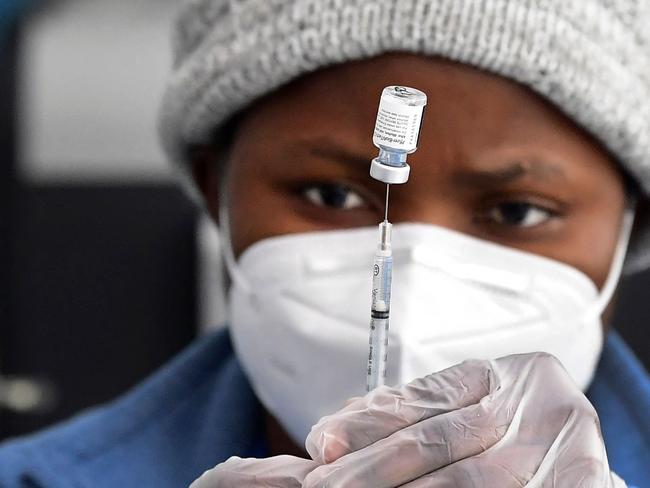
(184, 419)
(621, 387)
(621, 394)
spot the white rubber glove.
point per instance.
(513, 422)
(274, 472)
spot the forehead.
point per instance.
(473, 118)
(483, 108)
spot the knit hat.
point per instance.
(591, 58)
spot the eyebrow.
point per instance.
(509, 173)
(327, 148)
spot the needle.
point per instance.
(386, 210)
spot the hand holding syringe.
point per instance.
(396, 135)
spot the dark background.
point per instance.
(98, 285)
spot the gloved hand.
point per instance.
(513, 422)
(274, 472)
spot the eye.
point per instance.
(333, 195)
(519, 214)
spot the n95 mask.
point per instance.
(300, 312)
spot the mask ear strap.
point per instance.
(616, 269)
(234, 271)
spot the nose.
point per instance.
(436, 209)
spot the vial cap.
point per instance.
(393, 175)
(405, 95)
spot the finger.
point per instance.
(577, 456)
(511, 464)
(274, 472)
(416, 450)
(387, 410)
(475, 471)
(350, 401)
(553, 438)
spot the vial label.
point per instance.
(397, 126)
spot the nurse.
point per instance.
(527, 200)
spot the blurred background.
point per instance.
(100, 251)
(106, 269)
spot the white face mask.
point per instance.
(300, 311)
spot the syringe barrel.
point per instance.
(382, 274)
(379, 317)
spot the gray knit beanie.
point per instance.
(591, 58)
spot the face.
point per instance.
(495, 161)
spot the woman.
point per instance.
(534, 156)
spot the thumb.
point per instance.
(273, 472)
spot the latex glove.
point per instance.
(274, 472)
(513, 422)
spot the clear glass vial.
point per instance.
(397, 132)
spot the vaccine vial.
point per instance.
(397, 131)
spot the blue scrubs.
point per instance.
(199, 410)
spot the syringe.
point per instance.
(382, 274)
(396, 135)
